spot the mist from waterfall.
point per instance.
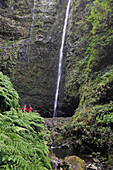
(31, 31)
(61, 57)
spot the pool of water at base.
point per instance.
(62, 152)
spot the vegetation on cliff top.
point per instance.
(22, 135)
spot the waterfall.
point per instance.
(61, 57)
(31, 31)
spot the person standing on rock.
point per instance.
(24, 108)
(30, 109)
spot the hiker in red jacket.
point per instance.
(24, 108)
(30, 109)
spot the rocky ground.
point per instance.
(93, 161)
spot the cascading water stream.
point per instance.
(61, 57)
(31, 31)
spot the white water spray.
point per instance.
(61, 56)
(31, 31)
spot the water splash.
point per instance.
(61, 56)
(31, 31)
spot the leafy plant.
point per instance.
(100, 11)
(23, 144)
(8, 95)
(22, 135)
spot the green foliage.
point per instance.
(100, 11)
(106, 117)
(22, 135)
(8, 95)
(101, 33)
(95, 122)
(22, 139)
(91, 68)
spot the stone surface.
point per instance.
(68, 163)
(30, 49)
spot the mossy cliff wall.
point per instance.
(30, 38)
(89, 59)
(30, 52)
(89, 75)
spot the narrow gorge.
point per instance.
(31, 37)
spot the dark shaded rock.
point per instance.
(35, 51)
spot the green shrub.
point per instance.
(22, 135)
(8, 95)
(22, 139)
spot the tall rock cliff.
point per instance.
(89, 59)
(89, 76)
(30, 38)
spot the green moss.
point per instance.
(81, 163)
(75, 162)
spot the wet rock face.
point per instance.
(57, 127)
(30, 39)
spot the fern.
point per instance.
(8, 96)
(19, 145)
(22, 135)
